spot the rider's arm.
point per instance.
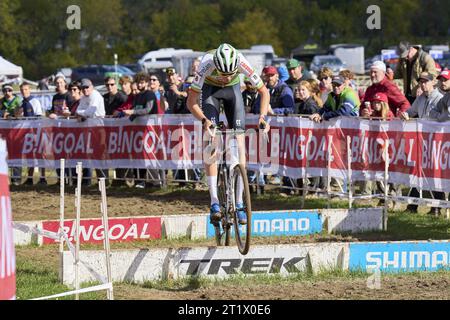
(265, 100)
(193, 106)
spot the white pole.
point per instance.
(305, 176)
(386, 185)
(328, 172)
(104, 210)
(61, 221)
(77, 227)
(349, 174)
(447, 211)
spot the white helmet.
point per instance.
(226, 59)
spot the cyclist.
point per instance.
(217, 80)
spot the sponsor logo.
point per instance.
(92, 231)
(247, 68)
(281, 224)
(245, 266)
(400, 257)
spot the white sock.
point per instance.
(239, 190)
(212, 184)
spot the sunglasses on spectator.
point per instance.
(110, 84)
(325, 78)
(73, 89)
(153, 79)
(7, 90)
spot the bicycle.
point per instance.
(227, 178)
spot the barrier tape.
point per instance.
(106, 286)
(423, 201)
(27, 229)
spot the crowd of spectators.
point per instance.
(426, 94)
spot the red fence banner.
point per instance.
(7, 253)
(419, 150)
(120, 229)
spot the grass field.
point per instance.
(37, 267)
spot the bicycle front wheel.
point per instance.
(222, 228)
(241, 194)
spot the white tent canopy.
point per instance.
(9, 70)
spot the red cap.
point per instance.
(380, 96)
(271, 70)
(445, 74)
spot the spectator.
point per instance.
(31, 107)
(325, 76)
(443, 107)
(413, 61)
(144, 103)
(92, 105)
(425, 107)
(194, 67)
(281, 96)
(174, 93)
(249, 95)
(310, 101)
(113, 98)
(155, 87)
(75, 93)
(61, 100)
(343, 101)
(127, 85)
(283, 73)
(389, 74)
(130, 89)
(10, 107)
(349, 79)
(10, 103)
(380, 83)
(295, 76)
(43, 84)
(378, 108)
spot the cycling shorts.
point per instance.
(233, 104)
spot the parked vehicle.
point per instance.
(352, 55)
(330, 61)
(97, 73)
(159, 59)
(443, 59)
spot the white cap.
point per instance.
(378, 65)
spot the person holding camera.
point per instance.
(174, 93)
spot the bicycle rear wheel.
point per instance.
(222, 229)
(242, 232)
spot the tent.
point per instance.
(9, 70)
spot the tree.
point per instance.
(188, 25)
(255, 28)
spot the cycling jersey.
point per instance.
(207, 74)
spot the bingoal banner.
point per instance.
(418, 150)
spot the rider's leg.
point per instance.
(211, 110)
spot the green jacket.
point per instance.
(12, 105)
(423, 62)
